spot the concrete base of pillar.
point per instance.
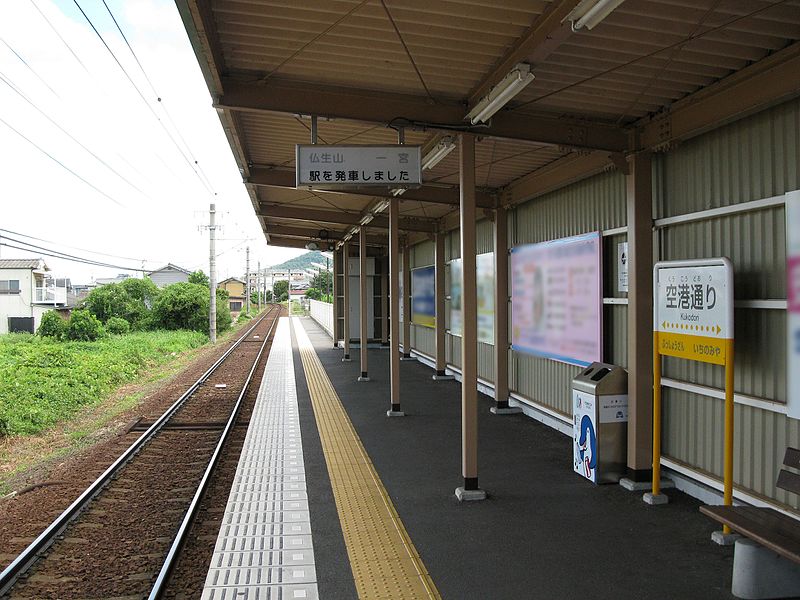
(640, 486)
(346, 359)
(363, 378)
(443, 377)
(507, 410)
(464, 495)
(725, 539)
(655, 499)
(395, 413)
(760, 573)
(408, 357)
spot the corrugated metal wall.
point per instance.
(594, 203)
(757, 157)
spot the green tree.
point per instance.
(268, 296)
(313, 294)
(186, 306)
(131, 300)
(84, 326)
(52, 325)
(281, 289)
(323, 281)
(199, 278)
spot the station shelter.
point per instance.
(654, 130)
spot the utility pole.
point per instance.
(212, 276)
(247, 282)
(258, 285)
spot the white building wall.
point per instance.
(18, 305)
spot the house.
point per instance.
(236, 291)
(169, 274)
(27, 291)
(109, 280)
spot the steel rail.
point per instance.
(183, 531)
(34, 551)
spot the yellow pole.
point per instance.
(656, 417)
(727, 498)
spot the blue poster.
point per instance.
(423, 296)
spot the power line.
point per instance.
(78, 260)
(64, 255)
(14, 88)
(38, 239)
(139, 92)
(62, 165)
(158, 96)
(80, 62)
(30, 68)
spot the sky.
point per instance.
(108, 172)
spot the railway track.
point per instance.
(123, 534)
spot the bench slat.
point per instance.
(768, 527)
(792, 458)
(789, 481)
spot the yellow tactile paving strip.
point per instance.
(384, 561)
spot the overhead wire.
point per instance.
(38, 239)
(56, 254)
(62, 165)
(30, 68)
(147, 104)
(4, 78)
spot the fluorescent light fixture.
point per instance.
(511, 85)
(397, 192)
(438, 152)
(381, 206)
(365, 220)
(588, 13)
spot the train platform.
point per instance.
(375, 514)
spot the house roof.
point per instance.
(23, 263)
(231, 279)
(170, 267)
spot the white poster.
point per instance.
(485, 285)
(584, 444)
(622, 267)
(793, 301)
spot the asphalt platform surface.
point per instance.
(543, 532)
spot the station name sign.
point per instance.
(694, 309)
(346, 166)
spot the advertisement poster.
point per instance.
(793, 300)
(485, 275)
(557, 300)
(485, 285)
(423, 296)
(584, 446)
(456, 316)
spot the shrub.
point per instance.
(52, 325)
(313, 294)
(84, 326)
(186, 305)
(130, 300)
(117, 325)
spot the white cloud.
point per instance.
(100, 107)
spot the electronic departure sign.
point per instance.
(322, 166)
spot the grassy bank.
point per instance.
(43, 382)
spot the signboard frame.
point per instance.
(423, 319)
(415, 173)
(793, 304)
(701, 351)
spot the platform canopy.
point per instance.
(649, 74)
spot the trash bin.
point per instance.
(600, 422)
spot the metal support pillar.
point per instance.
(407, 303)
(394, 296)
(362, 304)
(501, 406)
(441, 359)
(640, 317)
(469, 338)
(346, 299)
(384, 301)
(337, 261)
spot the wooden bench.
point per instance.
(760, 574)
